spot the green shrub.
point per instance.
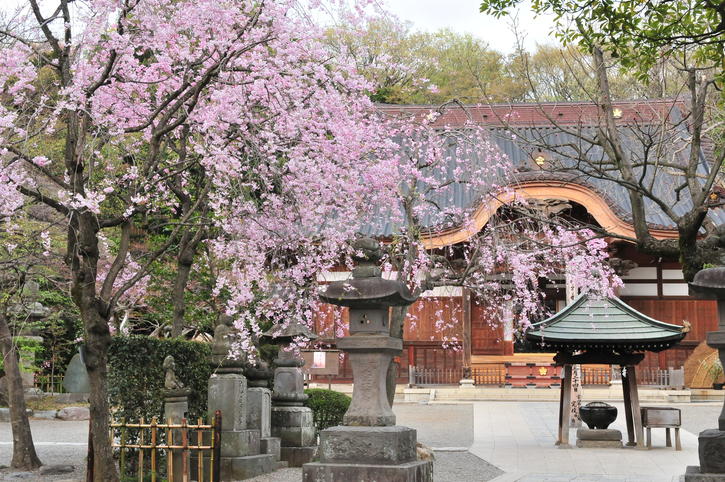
(136, 376)
(329, 406)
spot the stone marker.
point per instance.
(241, 457)
(76, 377)
(176, 409)
(259, 401)
(292, 423)
(56, 469)
(710, 284)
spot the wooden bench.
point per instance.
(662, 417)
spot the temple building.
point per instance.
(652, 286)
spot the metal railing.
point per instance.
(165, 442)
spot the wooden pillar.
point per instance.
(635, 431)
(634, 395)
(411, 355)
(466, 300)
(564, 407)
(628, 410)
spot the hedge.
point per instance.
(329, 406)
(136, 376)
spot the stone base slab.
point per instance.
(240, 444)
(418, 471)
(298, 456)
(293, 417)
(368, 445)
(599, 444)
(692, 474)
(270, 446)
(296, 436)
(608, 435)
(237, 468)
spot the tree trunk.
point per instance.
(397, 320)
(177, 297)
(187, 251)
(84, 254)
(98, 337)
(24, 456)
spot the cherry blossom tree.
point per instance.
(96, 99)
(18, 255)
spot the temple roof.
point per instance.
(641, 119)
(608, 324)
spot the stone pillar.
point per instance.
(241, 456)
(710, 284)
(176, 409)
(259, 413)
(292, 423)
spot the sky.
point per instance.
(463, 16)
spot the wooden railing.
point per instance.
(165, 442)
(596, 375)
(669, 378)
(493, 375)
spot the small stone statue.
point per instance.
(224, 336)
(172, 383)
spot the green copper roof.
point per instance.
(588, 324)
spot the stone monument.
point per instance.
(293, 423)
(259, 399)
(241, 457)
(369, 446)
(710, 284)
(176, 408)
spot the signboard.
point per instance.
(321, 362)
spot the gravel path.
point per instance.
(448, 427)
(48, 435)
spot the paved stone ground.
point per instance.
(519, 436)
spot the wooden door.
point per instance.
(486, 330)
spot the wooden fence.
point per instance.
(165, 442)
(494, 375)
(49, 384)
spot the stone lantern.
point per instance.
(369, 446)
(710, 284)
(292, 423)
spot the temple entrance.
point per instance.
(487, 334)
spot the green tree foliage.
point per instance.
(136, 377)
(413, 67)
(638, 32)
